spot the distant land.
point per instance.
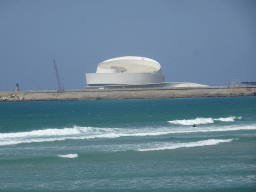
(128, 93)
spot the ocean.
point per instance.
(129, 145)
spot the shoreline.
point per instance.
(92, 93)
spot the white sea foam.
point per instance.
(196, 121)
(69, 156)
(45, 132)
(228, 119)
(50, 135)
(166, 146)
(200, 120)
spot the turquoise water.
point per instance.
(129, 145)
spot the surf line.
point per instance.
(70, 156)
(200, 120)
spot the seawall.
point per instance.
(129, 93)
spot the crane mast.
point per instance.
(57, 75)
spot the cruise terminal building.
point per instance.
(130, 72)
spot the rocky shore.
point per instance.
(128, 93)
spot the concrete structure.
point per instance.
(129, 93)
(17, 87)
(129, 70)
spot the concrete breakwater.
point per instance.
(129, 93)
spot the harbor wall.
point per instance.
(129, 93)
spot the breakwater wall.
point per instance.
(129, 93)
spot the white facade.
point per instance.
(126, 71)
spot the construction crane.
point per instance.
(57, 75)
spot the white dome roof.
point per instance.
(129, 64)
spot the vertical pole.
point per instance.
(57, 75)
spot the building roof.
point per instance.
(129, 64)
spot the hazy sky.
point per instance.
(206, 42)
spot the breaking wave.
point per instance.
(193, 121)
(228, 119)
(76, 133)
(166, 146)
(71, 156)
(200, 120)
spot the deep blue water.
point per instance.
(129, 145)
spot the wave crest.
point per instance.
(80, 133)
(200, 120)
(191, 144)
(193, 121)
(71, 156)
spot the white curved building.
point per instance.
(129, 70)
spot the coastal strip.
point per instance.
(102, 93)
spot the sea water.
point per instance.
(129, 145)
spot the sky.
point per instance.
(206, 42)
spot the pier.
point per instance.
(129, 93)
